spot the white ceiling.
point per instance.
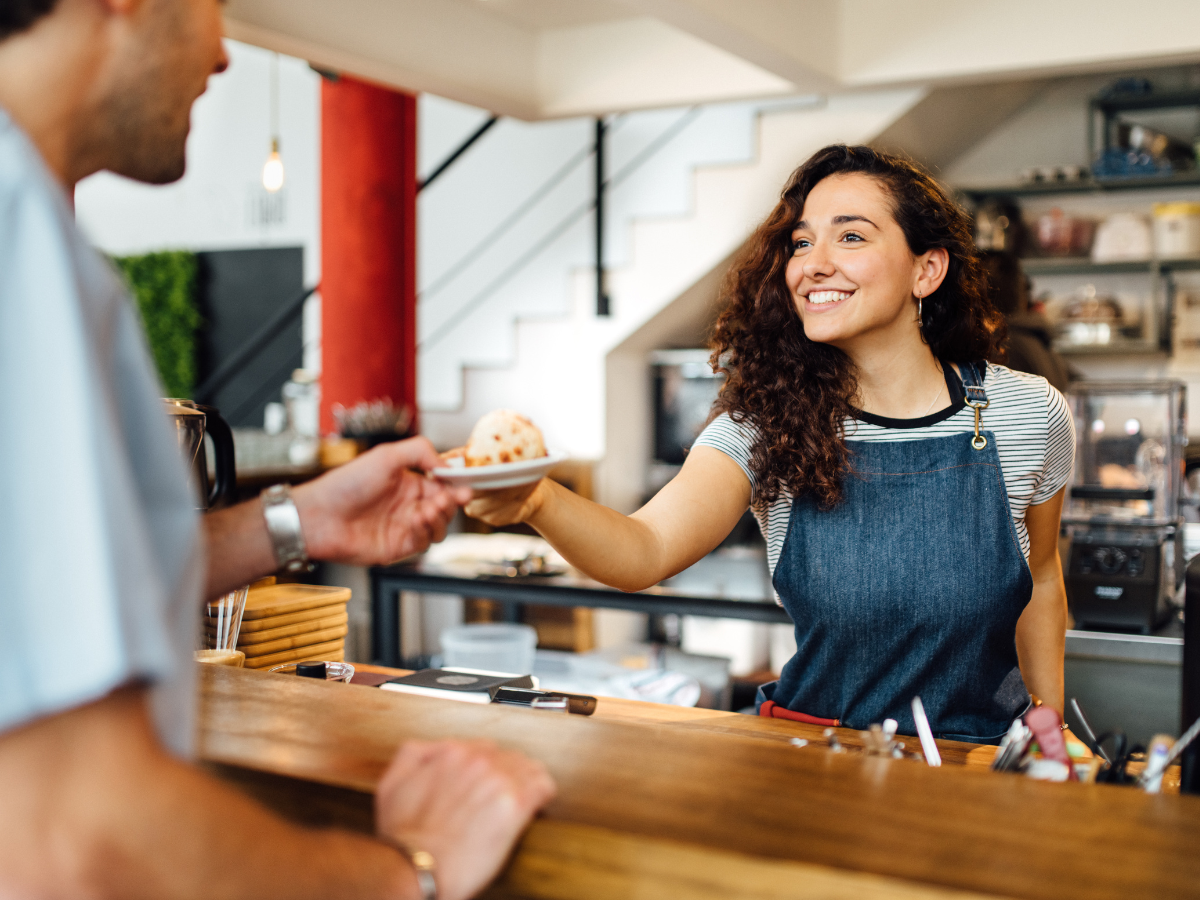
(549, 58)
(535, 14)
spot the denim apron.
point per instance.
(912, 585)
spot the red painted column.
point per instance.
(368, 246)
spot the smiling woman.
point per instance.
(909, 491)
(863, 241)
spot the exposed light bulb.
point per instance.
(272, 177)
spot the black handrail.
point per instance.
(602, 305)
(239, 357)
(462, 148)
(570, 219)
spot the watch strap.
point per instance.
(283, 526)
(423, 865)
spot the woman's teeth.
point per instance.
(819, 297)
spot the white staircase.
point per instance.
(534, 343)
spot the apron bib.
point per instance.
(911, 586)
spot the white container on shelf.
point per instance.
(1177, 230)
(1122, 237)
(492, 647)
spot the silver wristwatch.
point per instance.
(423, 864)
(283, 525)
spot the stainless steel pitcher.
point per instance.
(192, 421)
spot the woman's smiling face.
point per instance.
(852, 275)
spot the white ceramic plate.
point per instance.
(490, 478)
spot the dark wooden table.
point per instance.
(660, 802)
(387, 582)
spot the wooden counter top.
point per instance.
(667, 803)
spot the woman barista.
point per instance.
(909, 492)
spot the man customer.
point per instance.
(104, 562)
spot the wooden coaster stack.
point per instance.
(292, 623)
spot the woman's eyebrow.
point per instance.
(837, 220)
(842, 220)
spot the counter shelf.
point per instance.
(387, 583)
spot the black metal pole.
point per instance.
(602, 304)
(1190, 777)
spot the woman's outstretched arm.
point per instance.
(683, 522)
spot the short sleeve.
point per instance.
(98, 538)
(1060, 447)
(734, 439)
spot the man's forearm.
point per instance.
(238, 548)
(95, 808)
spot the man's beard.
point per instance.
(147, 120)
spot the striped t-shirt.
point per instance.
(1035, 439)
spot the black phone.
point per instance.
(579, 704)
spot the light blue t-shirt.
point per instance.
(100, 558)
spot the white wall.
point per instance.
(213, 206)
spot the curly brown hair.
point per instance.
(796, 393)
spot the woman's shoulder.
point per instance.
(1020, 387)
(726, 428)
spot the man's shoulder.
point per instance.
(21, 169)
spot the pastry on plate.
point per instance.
(503, 436)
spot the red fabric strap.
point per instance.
(772, 710)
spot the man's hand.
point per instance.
(465, 802)
(376, 509)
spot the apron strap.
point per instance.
(977, 398)
(972, 379)
(772, 710)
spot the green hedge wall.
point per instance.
(164, 286)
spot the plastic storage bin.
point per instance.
(493, 647)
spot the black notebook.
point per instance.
(468, 685)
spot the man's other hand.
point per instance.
(377, 509)
(464, 802)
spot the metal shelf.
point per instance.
(1086, 186)
(1065, 265)
(1071, 265)
(1117, 348)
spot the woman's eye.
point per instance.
(800, 244)
(851, 236)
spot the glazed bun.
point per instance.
(503, 436)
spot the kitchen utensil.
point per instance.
(192, 421)
(925, 733)
(334, 671)
(490, 478)
(1094, 744)
(1155, 768)
(1012, 748)
(834, 744)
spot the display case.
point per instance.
(1122, 508)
